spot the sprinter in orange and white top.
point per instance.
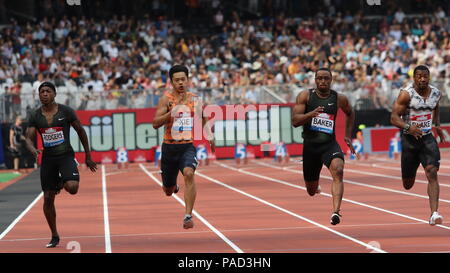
(180, 111)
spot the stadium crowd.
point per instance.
(91, 61)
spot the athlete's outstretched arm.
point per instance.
(437, 123)
(30, 136)
(163, 113)
(84, 140)
(344, 104)
(400, 106)
(299, 117)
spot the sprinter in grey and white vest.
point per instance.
(415, 112)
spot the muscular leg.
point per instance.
(409, 171)
(50, 211)
(72, 186)
(312, 165)
(311, 187)
(337, 190)
(408, 183)
(433, 186)
(410, 162)
(169, 177)
(169, 190)
(169, 171)
(190, 191)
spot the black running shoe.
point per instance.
(335, 218)
(53, 242)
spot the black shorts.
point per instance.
(17, 152)
(58, 168)
(174, 158)
(424, 150)
(315, 155)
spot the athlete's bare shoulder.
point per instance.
(169, 94)
(64, 107)
(407, 88)
(302, 97)
(193, 96)
(342, 99)
(405, 94)
(163, 101)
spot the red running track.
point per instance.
(258, 207)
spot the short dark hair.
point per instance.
(48, 84)
(178, 68)
(324, 69)
(421, 68)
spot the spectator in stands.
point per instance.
(16, 139)
(87, 52)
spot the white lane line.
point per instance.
(397, 169)
(368, 246)
(389, 176)
(396, 161)
(209, 231)
(132, 171)
(216, 231)
(373, 187)
(106, 213)
(329, 195)
(114, 173)
(21, 215)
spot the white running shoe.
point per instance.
(187, 222)
(436, 218)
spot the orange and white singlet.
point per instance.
(180, 129)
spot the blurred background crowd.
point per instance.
(249, 51)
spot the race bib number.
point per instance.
(52, 136)
(323, 123)
(183, 122)
(202, 153)
(422, 120)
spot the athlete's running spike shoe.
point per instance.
(53, 242)
(436, 218)
(187, 222)
(335, 218)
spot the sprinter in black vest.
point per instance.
(316, 110)
(59, 168)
